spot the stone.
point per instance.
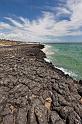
(33, 91)
(80, 91)
(81, 101)
(48, 102)
(55, 118)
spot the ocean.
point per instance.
(67, 57)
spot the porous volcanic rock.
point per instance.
(33, 91)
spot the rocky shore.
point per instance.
(33, 91)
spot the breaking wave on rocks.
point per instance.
(47, 50)
(70, 73)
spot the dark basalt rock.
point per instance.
(33, 91)
(80, 82)
(80, 91)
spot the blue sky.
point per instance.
(41, 20)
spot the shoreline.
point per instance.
(49, 61)
(33, 91)
(48, 53)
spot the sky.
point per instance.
(41, 20)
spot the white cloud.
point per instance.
(47, 25)
(4, 26)
(62, 11)
(15, 23)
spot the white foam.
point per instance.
(47, 50)
(70, 73)
(47, 60)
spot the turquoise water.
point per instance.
(67, 57)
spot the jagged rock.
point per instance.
(81, 100)
(55, 118)
(80, 82)
(33, 91)
(22, 116)
(80, 91)
(48, 102)
(73, 118)
(8, 119)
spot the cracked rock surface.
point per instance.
(33, 91)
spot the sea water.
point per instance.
(67, 57)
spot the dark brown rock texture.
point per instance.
(33, 91)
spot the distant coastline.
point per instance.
(63, 43)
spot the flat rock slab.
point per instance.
(33, 91)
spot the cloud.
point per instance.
(4, 26)
(62, 10)
(46, 27)
(14, 22)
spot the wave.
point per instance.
(47, 60)
(47, 50)
(70, 73)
